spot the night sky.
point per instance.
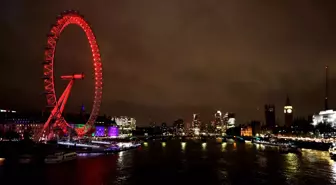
(164, 60)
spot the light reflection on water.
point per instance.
(183, 146)
(223, 149)
(86, 155)
(190, 163)
(124, 167)
(333, 169)
(292, 167)
(260, 147)
(314, 156)
(2, 160)
(204, 146)
(262, 161)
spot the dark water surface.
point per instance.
(174, 162)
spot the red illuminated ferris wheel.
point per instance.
(57, 105)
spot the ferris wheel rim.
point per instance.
(65, 19)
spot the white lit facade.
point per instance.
(230, 120)
(126, 125)
(288, 109)
(328, 116)
(196, 123)
(224, 121)
(219, 124)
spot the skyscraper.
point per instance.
(270, 116)
(196, 124)
(229, 120)
(219, 124)
(288, 111)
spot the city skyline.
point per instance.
(197, 57)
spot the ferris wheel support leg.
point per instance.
(64, 98)
(57, 111)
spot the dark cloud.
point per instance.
(167, 59)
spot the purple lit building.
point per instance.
(103, 131)
(113, 131)
(100, 131)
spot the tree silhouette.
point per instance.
(211, 128)
(234, 131)
(324, 128)
(11, 135)
(27, 134)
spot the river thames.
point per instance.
(174, 162)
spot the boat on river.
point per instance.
(332, 150)
(270, 143)
(290, 148)
(283, 147)
(60, 157)
(220, 140)
(25, 159)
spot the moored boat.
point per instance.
(219, 140)
(265, 142)
(25, 159)
(289, 148)
(332, 150)
(60, 157)
(284, 149)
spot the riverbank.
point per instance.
(308, 144)
(14, 152)
(301, 144)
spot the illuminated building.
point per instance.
(230, 120)
(196, 124)
(327, 116)
(256, 127)
(270, 116)
(288, 111)
(20, 123)
(112, 131)
(219, 124)
(32, 123)
(106, 131)
(179, 127)
(126, 125)
(100, 131)
(246, 131)
(101, 128)
(224, 122)
(164, 129)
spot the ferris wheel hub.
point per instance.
(73, 77)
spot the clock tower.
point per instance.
(288, 110)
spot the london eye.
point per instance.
(54, 104)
